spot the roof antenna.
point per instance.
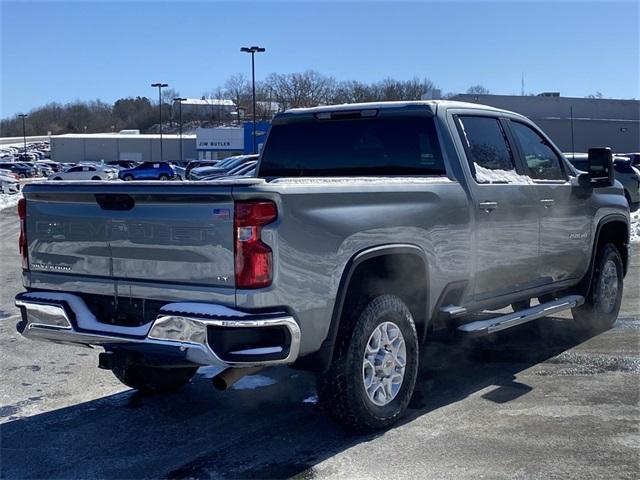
(522, 85)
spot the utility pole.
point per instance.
(24, 131)
(160, 86)
(253, 51)
(180, 100)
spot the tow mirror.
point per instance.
(601, 172)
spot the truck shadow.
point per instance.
(269, 427)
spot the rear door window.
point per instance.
(490, 156)
(542, 161)
(354, 147)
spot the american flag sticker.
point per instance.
(221, 213)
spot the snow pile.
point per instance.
(486, 175)
(9, 201)
(635, 227)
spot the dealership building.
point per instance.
(127, 145)
(575, 124)
(221, 142)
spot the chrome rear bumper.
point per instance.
(180, 329)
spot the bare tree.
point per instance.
(478, 90)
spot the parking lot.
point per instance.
(537, 402)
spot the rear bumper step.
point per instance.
(492, 325)
(185, 330)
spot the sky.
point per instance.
(63, 51)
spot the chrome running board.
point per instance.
(492, 325)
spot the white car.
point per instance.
(86, 172)
(8, 184)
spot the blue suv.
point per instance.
(148, 171)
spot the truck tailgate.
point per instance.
(148, 231)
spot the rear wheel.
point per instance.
(57, 178)
(153, 379)
(127, 177)
(163, 176)
(602, 303)
(372, 377)
(96, 178)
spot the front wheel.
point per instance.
(602, 304)
(372, 377)
(153, 379)
(127, 178)
(163, 176)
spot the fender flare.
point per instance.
(320, 360)
(585, 284)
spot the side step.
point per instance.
(492, 325)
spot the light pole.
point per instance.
(24, 131)
(253, 51)
(180, 100)
(160, 86)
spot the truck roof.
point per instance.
(431, 104)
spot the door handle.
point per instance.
(488, 206)
(548, 202)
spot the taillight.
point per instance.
(22, 240)
(253, 258)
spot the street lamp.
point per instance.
(253, 51)
(160, 86)
(180, 100)
(24, 131)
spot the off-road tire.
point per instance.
(341, 389)
(153, 379)
(593, 316)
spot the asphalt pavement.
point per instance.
(540, 401)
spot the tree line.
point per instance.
(276, 92)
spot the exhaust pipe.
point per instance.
(226, 378)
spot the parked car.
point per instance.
(86, 172)
(122, 164)
(9, 184)
(180, 171)
(9, 173)
(238, 171)
(54, 166)
(198, 163)
(221, 168)
(148, 171)
(635, 158)
(370, 227)
(24, 171)
(625, 173)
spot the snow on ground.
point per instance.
(9, 201)
(635, 227)
(253, 381)
(210, 371)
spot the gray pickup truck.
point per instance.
(370, 226)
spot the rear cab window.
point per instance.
(376, 146)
